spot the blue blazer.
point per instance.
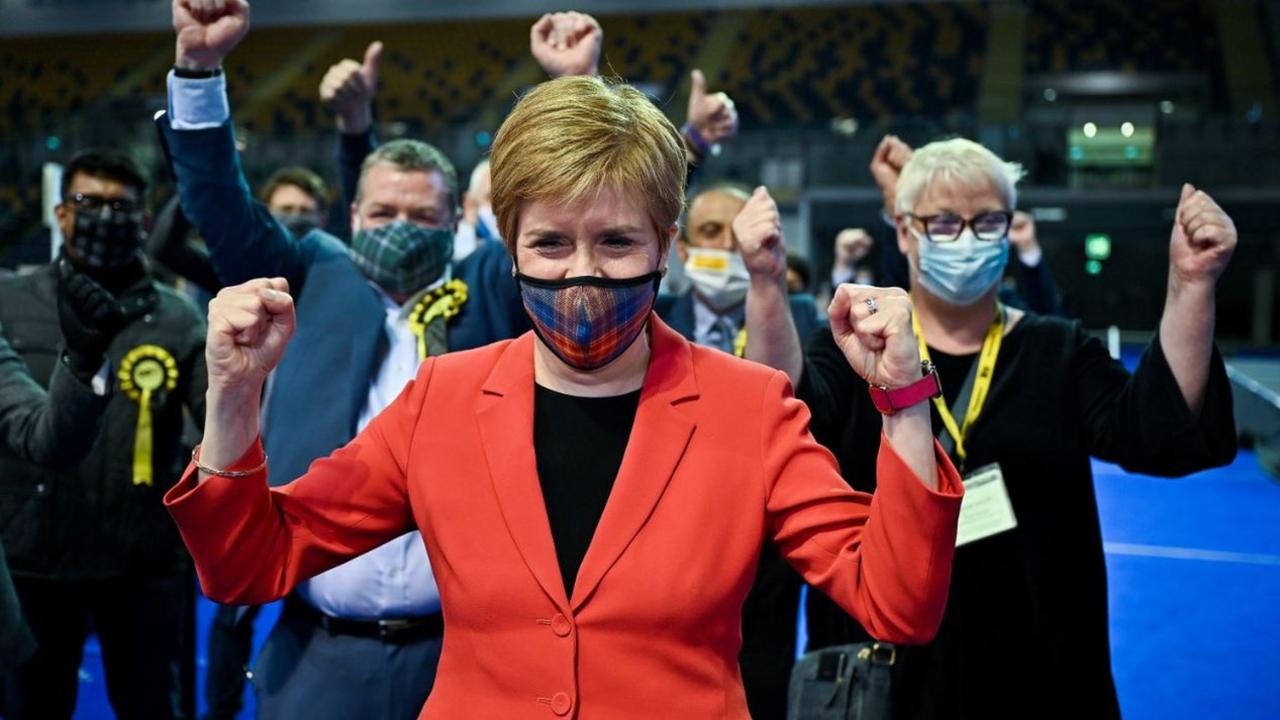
(322, 383)
(676, 310)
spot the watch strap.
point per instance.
(890, 400)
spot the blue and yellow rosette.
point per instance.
(144, 371)
(442, 303)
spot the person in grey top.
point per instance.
(57, 427)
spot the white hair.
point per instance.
(958, 162)
(481, 167)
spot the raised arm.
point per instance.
(1173, 415)
(567, 43)
(712, 118)
(1200, 246)
(771, 331)
(1036, 287)
(347, 90)
(251, 544)
(244, 241)
(57, 428)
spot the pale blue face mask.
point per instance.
(960, 272)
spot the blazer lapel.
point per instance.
(506, 428)
(658, 440)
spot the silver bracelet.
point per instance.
(195, 460)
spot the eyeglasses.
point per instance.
(94, 203)
(947, 227)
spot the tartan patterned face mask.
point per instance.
(589, 321)
(402, 257)
(107, 238)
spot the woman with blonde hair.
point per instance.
(593, 495)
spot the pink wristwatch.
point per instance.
(889, 401)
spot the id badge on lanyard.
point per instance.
(986, 509)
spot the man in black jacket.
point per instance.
(92, 544)
(56, 428)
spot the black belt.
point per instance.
(399, 630)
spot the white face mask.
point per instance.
(719, 277)
(960, 272)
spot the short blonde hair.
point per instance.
(958, 162)
(572, 136)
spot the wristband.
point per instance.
(196, 74)
(695, 138)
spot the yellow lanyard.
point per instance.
(981, 382)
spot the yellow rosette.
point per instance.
(440, 304)
(145, 370)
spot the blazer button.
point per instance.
(561, 704)
(561, 626)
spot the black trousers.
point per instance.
(143, 626)
(229, 650)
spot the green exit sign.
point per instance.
(1097, 246)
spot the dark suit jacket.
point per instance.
(322, 382)
(676, 310)
(54, 429)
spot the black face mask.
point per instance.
(107, 238)
(298, 224)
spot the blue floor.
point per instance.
(1194, 568)
(1194, 575)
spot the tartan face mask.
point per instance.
(402, 257)
(589, 321)
(107, 238)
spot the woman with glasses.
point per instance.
(594, 494)
(1026, 401)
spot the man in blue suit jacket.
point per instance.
(364, 638)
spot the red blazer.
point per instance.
(719, 458)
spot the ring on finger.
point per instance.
(873, 307)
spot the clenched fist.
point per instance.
(712, 115)
(567, 43)
(757, 228)
(876, 337)
(890, 157)
(207, 30)
(249, 327)
(1022, 234)
(348, 88)
(90, 317)
(1202, 241)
